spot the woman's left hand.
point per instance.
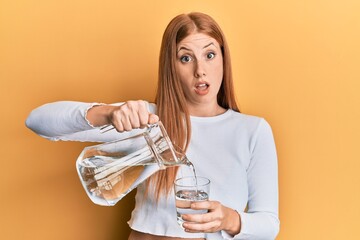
(218, 217)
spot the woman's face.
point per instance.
(199, 65)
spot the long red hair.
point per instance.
(170, 98)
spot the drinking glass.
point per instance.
(188, 190)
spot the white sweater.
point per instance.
(235, 151)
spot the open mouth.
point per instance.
(202, 88)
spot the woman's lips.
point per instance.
(202, 88)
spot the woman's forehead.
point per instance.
(199, 39)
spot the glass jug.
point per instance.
(111, 170)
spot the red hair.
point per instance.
(170, 98)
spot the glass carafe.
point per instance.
(111, 170)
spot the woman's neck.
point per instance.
(206, 110)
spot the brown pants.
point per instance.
(134, 235)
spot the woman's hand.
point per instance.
(130, 115)
(217, 218)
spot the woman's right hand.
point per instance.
(130, 115)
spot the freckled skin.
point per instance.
(200, 61)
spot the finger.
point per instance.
(116, 121)
(143, 114)
(126, 123)
(199, 227)
(123, 115)
(210, 205)
(198, 218)
(153, 118)
(134, 119)
(118, 125)
(130, 111)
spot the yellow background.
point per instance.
(296, 63)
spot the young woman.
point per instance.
(195, 101)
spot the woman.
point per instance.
(195, 101)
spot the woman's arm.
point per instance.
(261, 220)
(56, 119)
(78, 121)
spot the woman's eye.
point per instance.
(210, 55)
(185, 59)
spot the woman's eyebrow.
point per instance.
(208, 45)
(184, 48)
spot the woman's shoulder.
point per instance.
(244, 117)
(248, 121)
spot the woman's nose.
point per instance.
(199, 70)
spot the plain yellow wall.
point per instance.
(296, 63)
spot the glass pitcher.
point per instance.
(111, 170)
